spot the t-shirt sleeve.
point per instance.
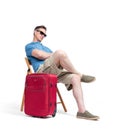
(29, 49)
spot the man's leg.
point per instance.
(77, 92)
(61, 58)
(78, 95)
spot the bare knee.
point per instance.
(61, 53)
(75, 79)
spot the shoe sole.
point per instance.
(89, 81)
(93, 118)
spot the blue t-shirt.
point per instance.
(35, 61)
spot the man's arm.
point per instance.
(42, 55)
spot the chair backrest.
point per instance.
(29, 71)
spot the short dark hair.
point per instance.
(41, 26)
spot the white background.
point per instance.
(82, 28)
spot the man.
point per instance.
(44, 60)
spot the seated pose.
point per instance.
(43, 59)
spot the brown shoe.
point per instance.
(87, 78)
(86, 115)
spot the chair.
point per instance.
(29, 71)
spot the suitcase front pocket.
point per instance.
(36, 84)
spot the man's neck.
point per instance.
(35, 40)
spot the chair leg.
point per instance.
(61, 100)
(22, 103)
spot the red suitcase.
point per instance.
(40, 95)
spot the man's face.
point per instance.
(40, 34)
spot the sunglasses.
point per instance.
(42, 33)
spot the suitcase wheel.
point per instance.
(54, 114)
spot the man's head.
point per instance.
(39, 33)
